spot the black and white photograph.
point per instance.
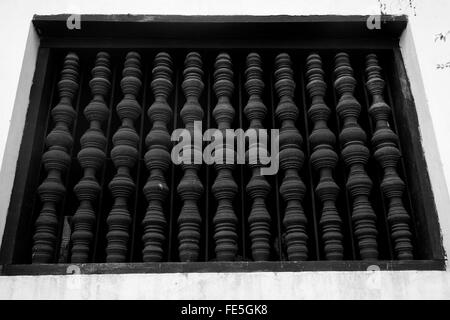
(225, 154)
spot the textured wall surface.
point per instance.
(303, 285)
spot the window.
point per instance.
(95, 183)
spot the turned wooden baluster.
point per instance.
(190, 187)
(56, 161)
(355, 155)
(292, 188)
(387, 153)
(324, 159)
(224, 187)
(258, 188)
(124, 156)
(91, 157)
(157, 159)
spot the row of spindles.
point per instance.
(325, 152)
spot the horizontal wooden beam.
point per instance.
(198, 267)
(219, 27)
(145, 43)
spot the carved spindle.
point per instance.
(157, 159)
(224, 187)
(258, 188)
(292, 188)
(387, 153)
(91, 157)
(355, 155)
(56, 162)
(190, 187)
(324, 159)
(124, 156)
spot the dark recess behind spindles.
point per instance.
(242, 202)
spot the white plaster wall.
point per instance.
(430, 87)
(285, 286)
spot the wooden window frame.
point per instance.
(294, 32)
